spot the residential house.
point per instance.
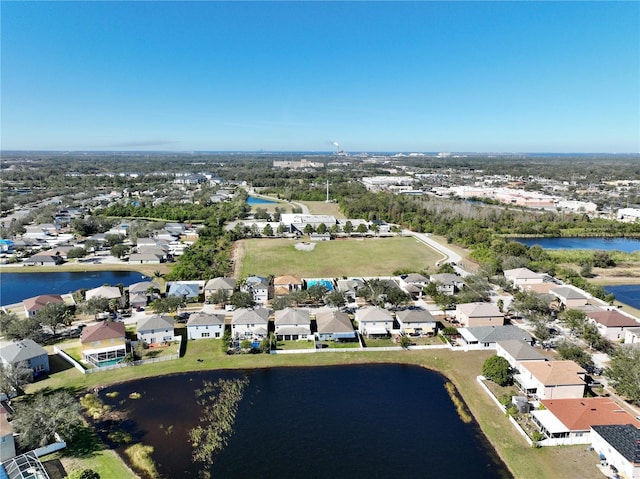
(109, 292)
(259, 287)
(479, 314)
(286, 284)
(416, 322)
(183, 289)
(570, 297)
(227, 285)
(632, 336)
(569, 421)
(516, 350)
(374, 321)
(43, 260)
(487, 337)
(104, 343)
(447, 283)
(551, 379)
(143, 293)
(155, 329)
(205, 325)
(413, 284)
(521, 277)
(292, 324)
(611, 324)
(28, 352)
(144, 258)
(35, 304)
(619, 446)
(7, 442)
(250, 323)
(335, 326)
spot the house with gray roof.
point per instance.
(447, 283)
(374, 321)
(335, 326)
(488, 336)
(570, 297)
(227, 285)
(292, 324)
(250, 323)
(155, 329)
(205, 325)
(416, 322)
(145, 258)
(515, 350)
(184, 290)
(619, 445)
(28, 352)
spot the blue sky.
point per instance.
(373, 76)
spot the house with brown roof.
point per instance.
(551, 379)
(104, 343)
(619, 446)
(286, 284)
(479, 314)
(35, 304)
(612, 323)
(569, 421)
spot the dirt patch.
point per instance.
(305, 246)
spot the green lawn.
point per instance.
(330, 259)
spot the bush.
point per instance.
(496, 368)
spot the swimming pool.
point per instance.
(327, 283)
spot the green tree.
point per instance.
(316, 292)
(76, 253)
(170, 304)
(95, 306)
(308, 229)
(335, 298)
(119, 250)
(348, 227)
(322, 228)
(574, 319)
(603, 259)
(496, 368)
(267, 230)
(405, 341)
(13, 377)
(84, 474)
(573, 352)
(54, 315)
(396, 297)
(17, 329)
(240, 299)
(40, 416)
(624, 372)
(362, 228)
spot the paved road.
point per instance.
(448, 255)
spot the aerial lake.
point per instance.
(14, 287)
(626, 293)
(627, 245)
(364, 421)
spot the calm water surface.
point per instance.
(253, 200)
(365, 421)
(14, 287)
(628, 245)
(626, 293)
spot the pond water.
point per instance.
(626, 293)
(628, 245)
(254, 200)
(14, 287)
(363, 421)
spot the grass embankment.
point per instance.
(331, 259)
(146, 269)
(460, 368)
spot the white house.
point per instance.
(416, 321)
(155, 329)
(205, 325)
(611, 324)
(374, 321)
(292, 324)
(619, 445)
(520, 277)
(250, 323)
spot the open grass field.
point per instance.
(322, 208)
(460, 367)
(331, 259)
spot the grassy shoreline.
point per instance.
(460, 368)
